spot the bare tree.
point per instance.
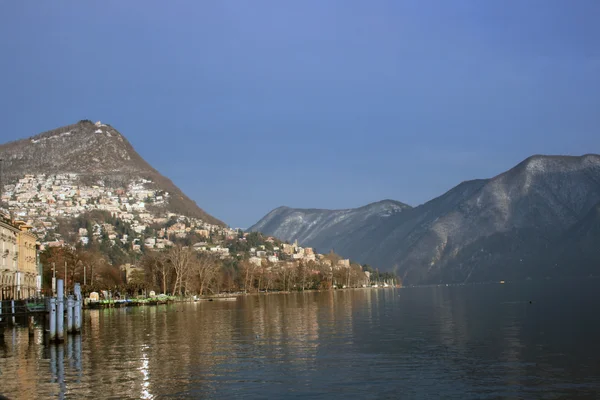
(205, 267)
(268, 276)
(155, 265)
(180, 259)
(249, 269)
(302, 274)
(286, 275)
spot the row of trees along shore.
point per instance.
(182, 271)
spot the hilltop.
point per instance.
(93, 154)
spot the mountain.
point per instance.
(328, 229)
(579, 247)
(93, 152)
(489, 229)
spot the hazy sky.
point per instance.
(250, 105)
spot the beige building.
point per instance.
(288, 248)
(8, 259)
(27, 267)
(203, 232)
(19, 278)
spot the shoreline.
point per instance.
(161, 300)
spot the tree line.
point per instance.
(183, 271)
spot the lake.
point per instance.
(531, 340)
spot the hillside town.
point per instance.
(43, 199)
(135, 221)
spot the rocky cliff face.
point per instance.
(500, 228)
(93, 151)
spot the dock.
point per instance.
(54, 312)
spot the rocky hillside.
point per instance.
(92, 151)
(499, 228)
(328, 229)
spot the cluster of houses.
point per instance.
(287, 252)
(20, 270)
(290, 255)
(47, 197)
(41, 199)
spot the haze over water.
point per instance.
(533, 340)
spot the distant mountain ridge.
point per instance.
(326, 229)
(93, 151)
(505, 227)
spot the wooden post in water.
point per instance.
(45, 316)
(78, 305)
(52, 319)
(70, 314)
(12, 307)
(31, 326)
(60, 311)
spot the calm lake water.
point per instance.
(478, 341)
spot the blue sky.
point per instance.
(250, 105)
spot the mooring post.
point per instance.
(12, 308)
(0, 311)
(60, 310)
(78, 305)
(31, 326)
(52, 319)
(46, 316)
(77, 291)
(70, 314)
(77, 316)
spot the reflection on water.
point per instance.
(456, 342)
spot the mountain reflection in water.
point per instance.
(479, 341)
